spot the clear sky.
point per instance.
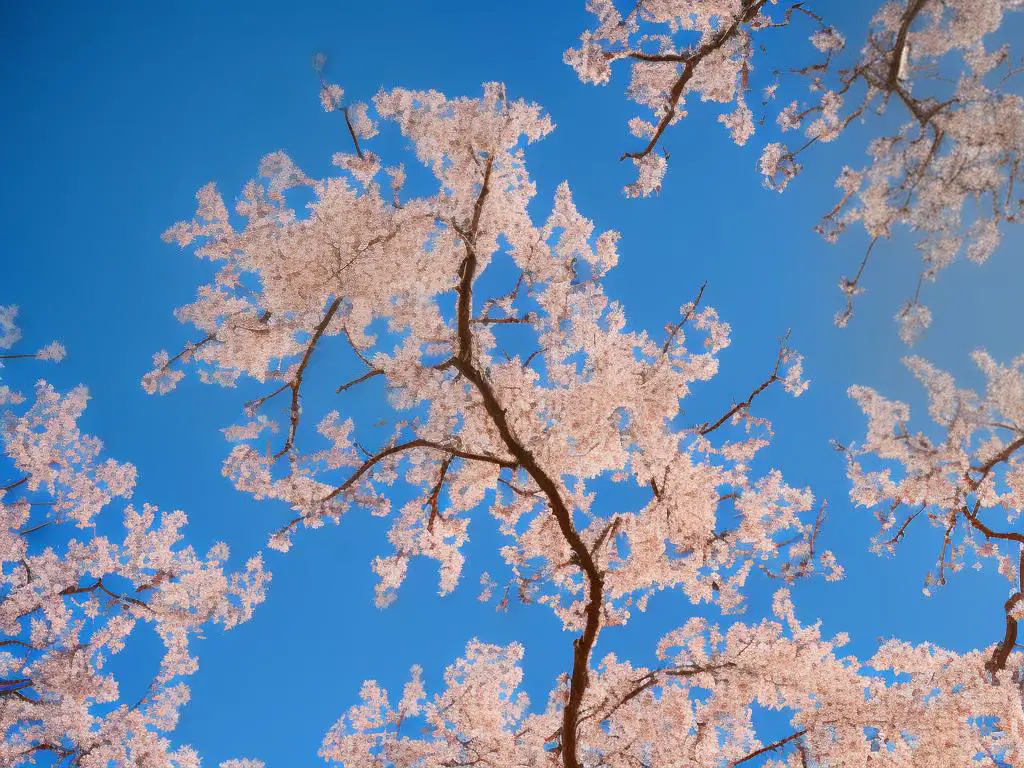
(115, 114)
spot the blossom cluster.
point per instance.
(72, 593)
(948, 168)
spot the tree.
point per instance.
(518, 388)
(949, 172)
(528, 399)
(72, 593)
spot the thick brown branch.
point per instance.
(435, 493)
(583, 645)
(15, 642)
(462, 361)
(1001, 653)
(972, 518)
(467, 270)
(60, 751)
(11, 687)
(999, 458)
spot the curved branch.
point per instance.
(912, 12)
(524, 458)
(689, 62)
(707, 428)
(376, 458)
(359, 380)
(1001, 653)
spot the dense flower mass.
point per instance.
(527, 401)
(968, 483)
(679, 51)
(949, 170)
(496, 409)
(73, 590)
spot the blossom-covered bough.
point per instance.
(949, 171)
(517, 386)
(967, 480)
(73, 591)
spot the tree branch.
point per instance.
(360, 380)
(769, 748)
(689, 62)
(462, 361)
(1001, 653)
(376, 458)
(296, 383)
(707, 428)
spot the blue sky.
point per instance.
(116, 116)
